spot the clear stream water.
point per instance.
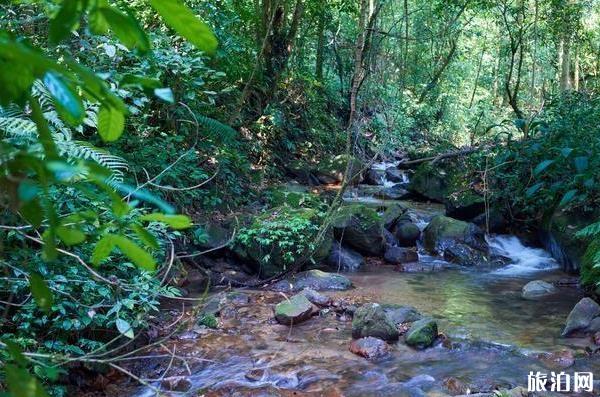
(495, 334)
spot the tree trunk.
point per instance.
(565, 65)
(320, 47)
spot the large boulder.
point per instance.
(371, 320)
(294, 310)
(463, 255)
(464, 205)
(375, 176)
(443, 233)
(331, 170)
(581, 316)
(430, 182)
(395, 175)
(361, 228)
(315, 279)
(399, 255)
(393, 214)
(407, 233)
(212, 236)
(537, 289)
(422, 333)
(259, 247)
(344, 259)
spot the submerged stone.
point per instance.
(369, 347)
(536, 289)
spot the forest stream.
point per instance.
(490, 337)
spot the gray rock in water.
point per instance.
(422, 333)
(398, 255)
(395, 192)
(393, 214)
(375, 176)
(423, 382)
(395, 175)
(581, 316)
(294, 310)
(315, 279)
(344, 259)
(463, 255)
(407, 234)
(371, 320)
(401, 314)
(361, 228)
(537, 289)
(315, 297)
(369, 347)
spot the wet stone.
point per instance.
(369, 347)
(294, 310)
(176, 383)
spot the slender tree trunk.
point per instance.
(534, 51)
(565, 65)
(477, 76)
(576, 71)
(320, 47)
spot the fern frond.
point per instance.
(215, 126)
(592, 230)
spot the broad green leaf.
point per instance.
(27, 190)
(181, 19)
(70, 235)
(566, 151)
(22, 384)
(141, 81)
(111, 123)
(40, 291)
(567, 198)
(145, 236)
(175, 221)
(124, 328)
(135, 253)
(581, 163)
(65, 21)
(68, 104)
(143, 195)
(15, 352)
(103, 249)
(127, 29)
(166, 94)
(98, 24)
(533, 189)
(542, 166)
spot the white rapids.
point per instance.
(525, 260)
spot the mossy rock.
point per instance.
(268, 256)
(422, 333)
(558, 236)
(371, 320)
(211, 236)
(361, 228)
(430, 182)
(332, 169)
(294, 310)
(464, 205)
(443, 232)
(392, 214)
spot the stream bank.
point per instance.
(487, 336)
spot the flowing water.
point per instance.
(494, 334)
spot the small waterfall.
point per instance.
(525, 260)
